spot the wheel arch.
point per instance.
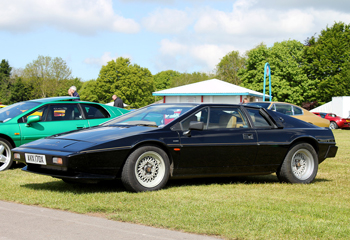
(158, 144)
(8, 139)
(309, 140)
(335, 121)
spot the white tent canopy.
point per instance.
(212, 90)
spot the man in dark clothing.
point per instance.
(117, 102)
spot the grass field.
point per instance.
(232, 208)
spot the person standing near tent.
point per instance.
(117, 102)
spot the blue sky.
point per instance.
(185, 36)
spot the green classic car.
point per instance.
(27, 121)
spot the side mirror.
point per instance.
(196, 125)
(31, 119)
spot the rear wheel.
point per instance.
(5, 154)
(300, 164)
(333, 125)
(146, 169)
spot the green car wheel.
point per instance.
(5, 155)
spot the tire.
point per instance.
(146, 169)
(5, 155)
(300, 165)
(333, 125)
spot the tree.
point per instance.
(163, 79)
(20, 91)
(132, 83)
(228, 67)
(88, 91)
(326, 61)
(5, 69)
(45, 73)
(5, 81)
(188, 78)
(289, 83)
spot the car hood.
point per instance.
(101, 134)
(76, 141)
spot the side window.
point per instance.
(224, 117)
(297, 111)
(284, 108)
(41, 112)
(258, 119)
(201, 116)
(94, 111)
(63, 112)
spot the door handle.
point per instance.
(248, 136)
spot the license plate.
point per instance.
(348, 120)
(35, 158)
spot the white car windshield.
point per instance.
(152, 115)
(16, 109)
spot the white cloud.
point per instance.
(209, 54)
(205, 57)
(167, 21)
(244, 21)
(172, 48)
(211, 33)
(84, 17)
(103, 60)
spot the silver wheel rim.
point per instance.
(5, 156)
(302, 164)
(332, 126)
(149, 169)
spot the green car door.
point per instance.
(52, 119)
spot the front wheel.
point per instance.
(5, 154)
(333, 125)
(146, 169)
(300, 164)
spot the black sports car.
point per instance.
(148, 146)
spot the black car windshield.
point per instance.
(9, 112)
(259, 104)
(153, 115)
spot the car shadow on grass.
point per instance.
(223, 181)
(117, 186)
(262, 179)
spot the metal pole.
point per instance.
(267, 67)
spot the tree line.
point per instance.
(301, 73)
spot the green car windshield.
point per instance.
(153, 115)
(16, 109)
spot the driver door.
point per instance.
(227, 144)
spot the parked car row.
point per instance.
(27, 121)
(336, 121)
